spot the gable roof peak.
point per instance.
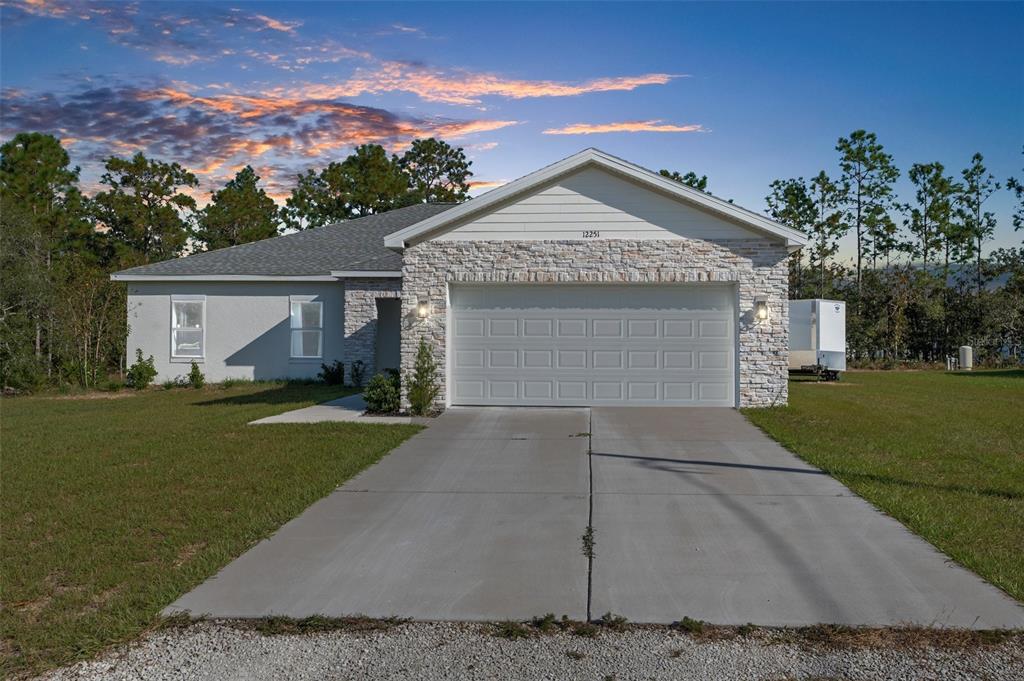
(792, 238)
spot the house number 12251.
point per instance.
(591, 234)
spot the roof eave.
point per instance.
(125, 276)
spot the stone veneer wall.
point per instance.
(361, 320)
(758, 267)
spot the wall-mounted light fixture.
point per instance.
(760, 308)
(422, 307)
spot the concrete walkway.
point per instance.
(695, 513)
(351, 408)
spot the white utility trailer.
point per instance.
(817, 337)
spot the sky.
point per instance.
(742, 93)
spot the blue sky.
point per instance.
(744, 93)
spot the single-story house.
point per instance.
(591, 281)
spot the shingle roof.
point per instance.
(351, 245)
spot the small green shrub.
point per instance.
(423, 387)
(111, 385)
(169, 384)
(332, 374)
(511, 629)
(546, 623)
(142, 372)
(585, 629)
(689, 625)
(613, 622)
(196, 379)
(232, 382)
(382, 395)
(357, 371)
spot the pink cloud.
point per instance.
(624, 126)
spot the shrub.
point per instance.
(111, 385)
(423, 388)
(195, 377)
(357, 372)
(688, 625)
(332, 374)
(142, 372)
(382, 395)
(232, 382)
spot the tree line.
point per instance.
(919, 283)
(62, 321)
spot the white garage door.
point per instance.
(593, 345)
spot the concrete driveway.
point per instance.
(695, 512)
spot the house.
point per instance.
(589, 281)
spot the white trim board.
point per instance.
(220, 277)
(793, 239)
(366, 274)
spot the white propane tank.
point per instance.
(966, 357)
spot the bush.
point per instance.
(111, 385)
(142, 372)
(195, 377)
(382, 395)
(357, 373)
(332, 374)
(423, 387)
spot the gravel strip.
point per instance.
(211, 650)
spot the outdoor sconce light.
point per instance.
(761, 308)
(422, 308)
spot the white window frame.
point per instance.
(292, 300)
(178, 298)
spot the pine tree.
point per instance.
(239, 213)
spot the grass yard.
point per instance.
(114, 505)
(943, 453)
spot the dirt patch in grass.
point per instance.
(98, 395)
(188, 552)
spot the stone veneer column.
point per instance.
(361, 320)
(757, 267)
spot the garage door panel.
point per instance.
(503, 390)
(598, 344)
(607, 328)
(572, 328)
(572, 359)
(469, 327)
(469, 359)
(503, 328)
(503, 359)
(713, 328)
(538, 359)
(642, 328)
(677, 328)
(607, 359)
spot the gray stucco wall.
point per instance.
(756, 266)
(247, 327)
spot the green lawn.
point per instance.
(111, 508)
(942, 453)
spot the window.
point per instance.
(188, 326)
(307, 328)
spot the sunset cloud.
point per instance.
(486, 184)
(624, 126)
(466, 87)
(205, 33)
(214, 132)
